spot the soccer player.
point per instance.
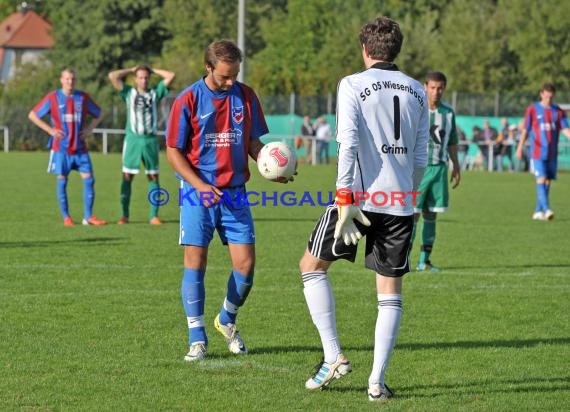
(140, 142)
(68, 109)
(214, 125)
(382, 132)
(544, 121)
(307, 130)
(442, 147)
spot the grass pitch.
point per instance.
(92, 319)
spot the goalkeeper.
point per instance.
(382, 134)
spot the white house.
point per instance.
(24, 37)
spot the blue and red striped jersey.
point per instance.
(543, 123)
(69, 114)
(214, 129)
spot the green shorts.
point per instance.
(434, 190)
(137, 149)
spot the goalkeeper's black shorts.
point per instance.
(388, 241)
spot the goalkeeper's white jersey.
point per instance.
(382, 131)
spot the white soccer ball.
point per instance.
(277, 162)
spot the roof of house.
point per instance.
(25, 30)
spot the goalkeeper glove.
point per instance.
(345, 227)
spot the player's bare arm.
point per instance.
(521, 144)
(456, 169)
(117, 77)
(181, 166)
(255, 147)
(86, 131)
(56, 133)
(167, 76)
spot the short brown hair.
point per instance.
(68, 70)
(436, 77)
(144, 67)
(222, 50)
(382, 38)
(548, 87)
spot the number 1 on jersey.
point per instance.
(396, 118)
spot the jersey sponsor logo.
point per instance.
(69, 118)
(434, 131)
(223, 139)
(237, 114)
(143, 101)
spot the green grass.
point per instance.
(91, 317)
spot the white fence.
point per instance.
(471, 157)
(105, 136)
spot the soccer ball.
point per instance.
(277, 162)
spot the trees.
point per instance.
(309, 46)
(95, 37)
(305, 46)
(471, 48)
(193, 24)
(539, 36)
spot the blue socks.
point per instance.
(542, 197)
(239, 286)
(193, 294)
(88, 196)
(62, 197)
(193, 297)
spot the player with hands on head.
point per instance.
(140, 144)
(214, 125)
(68, 109)
(382, 133)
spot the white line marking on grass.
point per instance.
(109, 292)
(244, 364)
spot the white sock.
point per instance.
(387, 325)
(320, 300)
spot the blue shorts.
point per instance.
(63, 163)
(232, 220)
(544, 168)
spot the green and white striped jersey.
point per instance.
(442, 133)
(142, 109)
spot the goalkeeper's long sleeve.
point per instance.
(346, 163)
